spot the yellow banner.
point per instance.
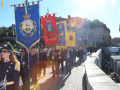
(71, 39)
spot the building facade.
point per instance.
(116, 41)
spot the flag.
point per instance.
(2, 4)
(71, 39)
(81, 40)
(61, 29)
(77, 39)
(49, 29)
(26, 8)
(27, 26)
(85, 42)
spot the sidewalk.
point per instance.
(64, 81)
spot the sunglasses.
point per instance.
(4, 51)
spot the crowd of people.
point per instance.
(29, 64)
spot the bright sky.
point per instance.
(107, 11)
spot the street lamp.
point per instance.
(88, 31)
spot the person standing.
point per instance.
(42, 62)
(54, 57)
(61, 58)
(68, 55)
(80, 53)
(31, 68)
(22, 63)
(85, 53)
(9, 69)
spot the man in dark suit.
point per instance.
(61, 59)
(42, 61)
(68, 55)
(30, 68)
(19, 57)
(54, 57)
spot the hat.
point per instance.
(8, 47)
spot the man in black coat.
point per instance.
(31, 68)
(19, 57)
(54, 57)
(61, 59)
(42, 61)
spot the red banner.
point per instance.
(49, 29)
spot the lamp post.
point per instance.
(95, 35)
(88, 32)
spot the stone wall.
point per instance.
(96, 79)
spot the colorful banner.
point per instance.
(81, 41)
(71, 39)
(49, 29)
(77, 39)
(85, 42)
(27, 25)
(61, 29)
(93, 43)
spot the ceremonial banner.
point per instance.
(61, 29)
(27, 25)
(81, 41)
(93, 43)
(85, 42)
(49, 29)
(77, 39)
(71, 39)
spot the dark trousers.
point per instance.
(42, 65)
(23, 79)
(55, 63)
(68, 65)
(80, 58)
(61, 62)
(31, 74)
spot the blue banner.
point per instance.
(93, 43)
(81, 41)
(27, 26)
(85, 42)
(77, 39)
(61, 29)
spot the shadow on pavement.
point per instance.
(84, 83)
(54, 83)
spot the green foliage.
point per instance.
(27, 29)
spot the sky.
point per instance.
(106, 11)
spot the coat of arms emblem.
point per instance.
(27, 27)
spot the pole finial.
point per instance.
(2, 4)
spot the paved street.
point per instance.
(64, 81)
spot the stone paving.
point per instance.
(64, 81)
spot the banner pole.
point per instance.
(28, 60)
